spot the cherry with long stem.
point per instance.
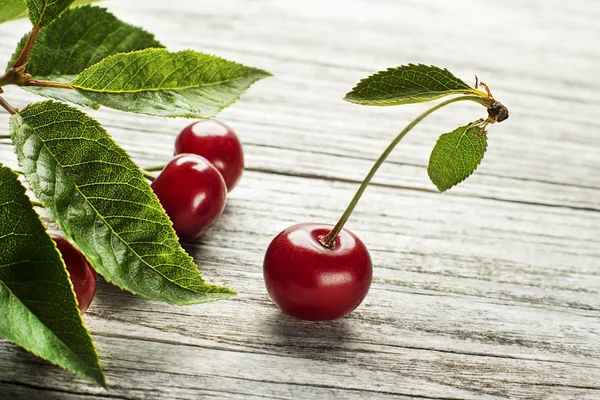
(322, 272)
(329, 240)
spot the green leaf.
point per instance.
(12, 9)
(43, 12)
(17, 9)
(456, 155)
(101, 201)
(408, 84)
(80, 38)
(38, 310)
(157, 82)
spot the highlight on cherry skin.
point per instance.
(310, 281)
(218, 143)
(193, 194)
(81, 273)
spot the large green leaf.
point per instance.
(407, 84)
(456, 155)
(81, 37)
(101, 201)
(43, 12)
(16, 9)
(157, 82)
(38, 310)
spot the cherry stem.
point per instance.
(7, 106)
(329, 240)
(148, 175)
(48, 84)
(155, 168)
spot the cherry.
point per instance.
(311, 281)
(216, 142)
(193, 194)
(81, 273)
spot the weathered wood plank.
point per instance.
(491, 291)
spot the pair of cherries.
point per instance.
(193, 186)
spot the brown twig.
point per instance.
(22, 58)
(7, 106)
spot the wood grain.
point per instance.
(490, 291)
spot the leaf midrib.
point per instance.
(161, 89)
(415, 95)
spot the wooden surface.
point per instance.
(491, 291)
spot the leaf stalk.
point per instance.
(48, 84)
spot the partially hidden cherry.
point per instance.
(81, 272)
(193, 194)
(312, 282)
(216, 142)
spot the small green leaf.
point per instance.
(80, 38)
(157, 82)
(38, 310)
(43, 12)
(407, 84)
(102, 202)
(456, 155)
(17, 9)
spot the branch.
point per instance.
(20, 61)
(7, 106)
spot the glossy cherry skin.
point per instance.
(192, 192)
(81, 272)
(312, 282)
(216, 142)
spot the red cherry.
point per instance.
(312, 282)
(216, 142)
(81, 272)
(192, 192)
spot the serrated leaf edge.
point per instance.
(472, 125)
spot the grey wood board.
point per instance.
(490, 291)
